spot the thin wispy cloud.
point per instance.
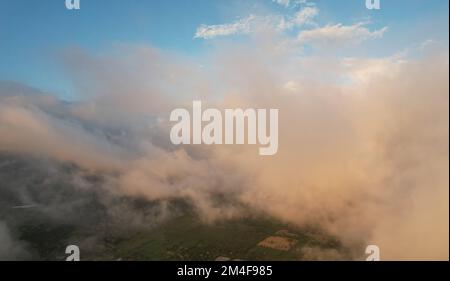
(340, 34)
(304, 21)
(239, 27)
(303, 17)
(284, 3)
(253, 23)
(293, 3)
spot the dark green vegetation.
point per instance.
(49, 206)
(187, 238)
(181, 238)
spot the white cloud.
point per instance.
(340, 34)
(251, 23)
(238, 27)
(284, 3)
(363, 70)
(293, 3)
(305, 16)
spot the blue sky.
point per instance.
(32, 32)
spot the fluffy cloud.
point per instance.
(364, 70)
(305, 16)
(355, 159)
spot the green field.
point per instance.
(187, 238)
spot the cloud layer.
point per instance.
(365, 160)
(363, 141)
